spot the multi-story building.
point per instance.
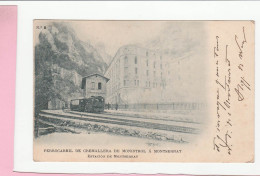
(186, 78)
(137, 75)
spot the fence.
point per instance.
(159, 106)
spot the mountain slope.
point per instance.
(61, 60)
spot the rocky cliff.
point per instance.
(61, 60)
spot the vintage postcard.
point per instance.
(143, 91)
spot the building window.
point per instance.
(147, 72)
(124, 82)
(147, 63)
(99, 86)
(149, 83)
(83, 84)
(154, 73)
(136, 71)
(126, 60)
(137, 82)
(146, 53)
(161, 66)
(75, 102)
(92, 85)
(126, 71)
(154, 64)
(135, 59)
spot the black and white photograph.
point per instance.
(126, 90)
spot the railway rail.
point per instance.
(124, 121)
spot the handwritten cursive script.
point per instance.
(243, 84)
(222, 139)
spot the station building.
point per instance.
(94, 85)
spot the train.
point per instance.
(94, 104)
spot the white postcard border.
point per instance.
(27, 11)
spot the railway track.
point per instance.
(153, 118)
(105, 119)
(140, 119)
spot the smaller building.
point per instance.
(56, 103)
(94, 85)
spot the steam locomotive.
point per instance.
(94, 104)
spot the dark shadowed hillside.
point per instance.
(61, 60)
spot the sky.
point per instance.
(178, 37)
(114, 34)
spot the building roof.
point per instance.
(96, 74)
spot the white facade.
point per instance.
(135, 74)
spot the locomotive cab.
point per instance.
(77, 105)
(92, 104)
